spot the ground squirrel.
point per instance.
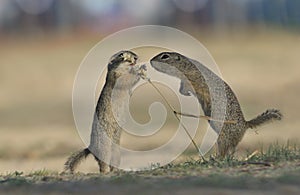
(194, 78)
(122, 75)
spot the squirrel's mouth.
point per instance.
(131, 60)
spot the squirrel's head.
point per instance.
(123, 62)
(171, 63)
(123, 69)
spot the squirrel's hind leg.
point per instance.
(103, 167)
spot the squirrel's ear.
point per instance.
(177, 58)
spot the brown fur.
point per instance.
(105, 128)
(198, 77)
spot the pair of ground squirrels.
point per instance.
(196, 79)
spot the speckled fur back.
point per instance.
(216, 98)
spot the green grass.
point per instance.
(275, 162)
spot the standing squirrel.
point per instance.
(122, 75)
(198, 80)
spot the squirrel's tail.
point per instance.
(74, 160)
(267, 116)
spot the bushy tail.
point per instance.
(74, 160)
(267, 116)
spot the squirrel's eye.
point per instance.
(164, 57)
(121, 55)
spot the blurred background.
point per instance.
(42, 42)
